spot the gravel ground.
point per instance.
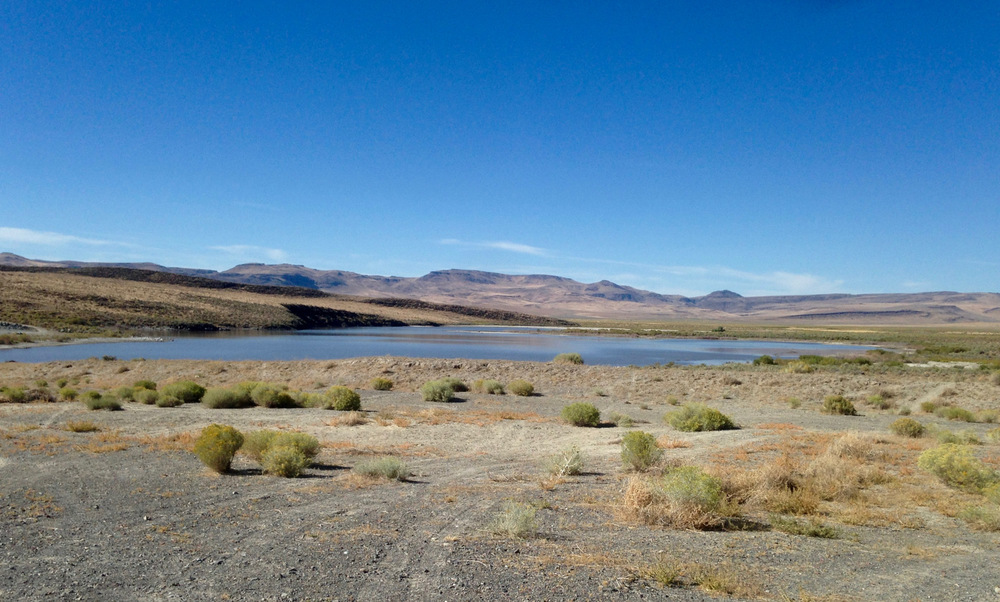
(129, 513)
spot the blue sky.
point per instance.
(772, 147)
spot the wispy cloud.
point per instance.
(50, 239)
(252, 252)
(501, 245)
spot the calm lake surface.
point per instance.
(472, 342)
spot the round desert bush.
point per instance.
(125, 393)
(255, 443)
(284, 461)
(68, 393)
(437, 390)
(581, 414)
(764, 360)
(568, 358)
(102, 402)
(146, 396)
(699, 417)
(225, 399)
(838, 404)
(692, 486)
(145, 384)
(91, 395)
(270, 396)
(492, 387)
(521, 388)
(217, 445)
(955, 465)
(343, 399)
(185, 390)
(954, 413)
(168, 401)
(907, 427)
(456, 384)
(639, 451)
(381, 384)
(15, 395)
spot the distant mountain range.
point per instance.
(565, 298)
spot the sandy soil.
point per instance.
(129, 513)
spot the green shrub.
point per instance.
(13, 395)
(993, 435)
(515, 520)
(964, 438)
(456, 385)
(491, 387)
(521, 388)
(907, 427)
(581, 414)
(68, 393)
(928, 407)
(764, 360)
(566, 463)
(692, 486)
(102, 402)
(342, 399)
(217, 445)
(145, 384)
(246, 387)
(381, 384)
(878, 402)
(955, 413)
(271, 396)
(62, 382)
(568, 358)
(91, 395)
(218, 399)
(838, 404)
(639, 451)
(168, 401)
(622, 420)
(125, 393)
(284, 461)
(699, 417)
(255, 443)
(386, 468)
(146, 396)
(185, 390)
(437, 390)
(955, 465)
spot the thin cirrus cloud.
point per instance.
(49, 239)
(501, 245)
(252, 251)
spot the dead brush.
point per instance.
(679, 506)
(349, 419)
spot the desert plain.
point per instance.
(816, 506)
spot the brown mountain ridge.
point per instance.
(556, 296)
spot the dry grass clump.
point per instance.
(349, 419)
(388, 467)
(685, 497)
(566, 463)
(81, 426)
(724, 579)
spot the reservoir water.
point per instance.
(472, 342)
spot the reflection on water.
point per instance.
(473, 342)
